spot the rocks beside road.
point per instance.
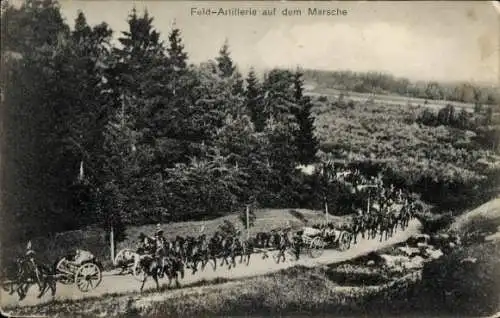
(414, 253)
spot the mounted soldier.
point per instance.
(145, 244)
(160, 244)
(30, 257)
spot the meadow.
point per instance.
(390, 99)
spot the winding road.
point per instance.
(112, 283)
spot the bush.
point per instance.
(458, 286)
(433, 223)
(228, 228)
(358, 275)
(298, 215)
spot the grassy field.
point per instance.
(389, 132)
(387, 99)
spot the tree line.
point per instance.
(134, 133)
(380, 83)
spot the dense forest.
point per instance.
(134, 133)
(380, 83)
(95, 133)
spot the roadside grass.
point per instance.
(295, 290)
(349, 274)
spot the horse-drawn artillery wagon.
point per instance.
(126, 261)
(82, 269)
(313, 242)
(316, 240)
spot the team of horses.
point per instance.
(25, 272)
(171, 258)
(393, 210)
(388, 209)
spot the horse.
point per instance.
(282, 242)
(150, 266)
(28, 272)
(357, 227)
(204, 252)
(197, 251)
(173, 268)
(190, 252)
(243, 248)
(228, 249)
(178, 248)
(262, 239)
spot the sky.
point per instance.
(444, 41)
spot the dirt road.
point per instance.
(258, 266)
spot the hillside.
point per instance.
(488, 214)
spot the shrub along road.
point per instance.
(112, 283)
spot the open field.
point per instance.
(387, 132)
(395, 100)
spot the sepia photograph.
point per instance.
(249, 158)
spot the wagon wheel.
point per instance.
(138, 272)
(127, 256)
(8, 285)
(344, 241)
(124, 253)
(316, 248)
(62, 273)
(87, 277)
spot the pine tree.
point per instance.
(177, 56)
(82, 29)
(247, 149)
(254, 101)
(139, 80)
(224, 62)
(238, 88)
(307, 142)
(279, 96)
(139, 66)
